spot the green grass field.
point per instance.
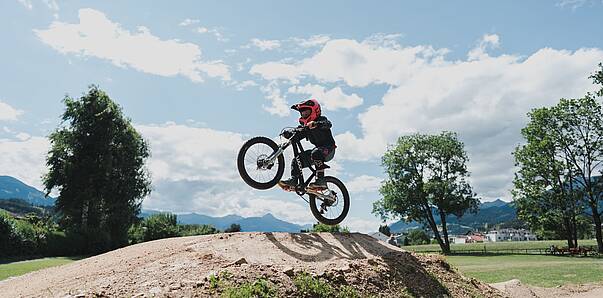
(491, 246)
(19, 268)
(536, 270)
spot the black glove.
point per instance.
(287, 134)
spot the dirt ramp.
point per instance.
(287, 264)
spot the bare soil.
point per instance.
(183, 267)
(515, 289)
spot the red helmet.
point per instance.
(312, 105)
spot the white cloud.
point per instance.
(364, 183)
(312, 41)
(26, 3)
(24, 159)
(213, 31)
(216, 32)
(332, 100)
(182, 152)
(278, 105)
(8, 113)
(53, 6)
(479, 52)
(575, 4)
(188, 22)
(245, 84)
(362, 225)
(98, 36)
(358, 64)
(265, 45)
(276, 70)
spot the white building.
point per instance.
(458, 239)
(510, 235)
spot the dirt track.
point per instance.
(515, 289)
(179, 267)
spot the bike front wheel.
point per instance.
(330, 206)
(253, 164)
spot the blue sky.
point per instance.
(198, 78)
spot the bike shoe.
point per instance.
(320, 183)
(288, 184)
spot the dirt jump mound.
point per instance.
(253, 265)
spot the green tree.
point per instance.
(417, 237)
(96, 162)
(8, 237)
(597, 78)
(561, 164)
(426, 174)
(384, 229)
(544, 192)
(580, 135)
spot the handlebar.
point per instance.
(289, 132)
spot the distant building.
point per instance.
(461, 239)
(510, 235)
(475, 237)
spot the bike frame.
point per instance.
(297, 150)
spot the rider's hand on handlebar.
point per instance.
(287, 134)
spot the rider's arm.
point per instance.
(323, 123)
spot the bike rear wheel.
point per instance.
(330, 206)
(254, 167)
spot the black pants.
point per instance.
(316, 156)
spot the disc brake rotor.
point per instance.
(262, 163)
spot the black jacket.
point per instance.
(320, 136)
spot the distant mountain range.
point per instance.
(12, 188)
(491, 213)
(266, 223)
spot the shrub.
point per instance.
(136, 233)
(308, 286)
(259, 288)
(158, 226)
(319, 227)
(233, 228)
(193, 230)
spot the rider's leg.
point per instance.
(295, 170)
(319, 156)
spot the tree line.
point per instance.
(558, 186)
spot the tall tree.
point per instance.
(580, 134)
(544, 192)
(97, 164)
(564, 154)
(426, 174)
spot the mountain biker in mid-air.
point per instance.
(319, 134)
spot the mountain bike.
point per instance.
(261, 165)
